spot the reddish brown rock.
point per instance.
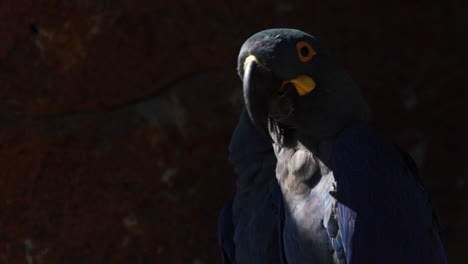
(115, 116)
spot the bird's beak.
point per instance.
(259, 85)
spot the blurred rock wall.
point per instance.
(115, 116)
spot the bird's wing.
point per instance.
(248, 228)
(225, 235)
(383, 212)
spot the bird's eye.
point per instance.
(305, 52)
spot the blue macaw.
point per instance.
(315, 182)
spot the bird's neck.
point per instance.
(301, 168)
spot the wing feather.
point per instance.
(384, 213)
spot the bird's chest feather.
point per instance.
(306, 184)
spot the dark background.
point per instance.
(115, 116)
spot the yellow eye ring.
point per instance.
(305, 52)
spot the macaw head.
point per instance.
(291, 82)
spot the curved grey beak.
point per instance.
(259, 86)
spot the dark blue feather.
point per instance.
(384, 214)
(250, 226)
(225, 235)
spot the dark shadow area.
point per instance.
(115, 116)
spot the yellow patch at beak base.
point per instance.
(304, 84)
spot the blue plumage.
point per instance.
(252, 223)
(315, 182)
(225, 234)
(384, 213)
